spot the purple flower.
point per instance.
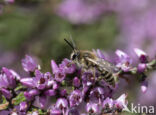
(141, 67)
(88, 78)
(73, 111)
(58, 72)
(50, 92)
(8, 78)
(55, 111)
(31, 94)
(121, 103)
(97, 95)
(124, 61)
(144, 86)
(63, 92)
(23, 106)
(42, 101)
(6, 93)
(76, 82)
(142, 55)
(92, 108)
(29, 64)
(9, 1)
(108, 102)
(29, 82)
(62, 104)
(40, 81)
(75, 98)
(67, 66)
(80, 11)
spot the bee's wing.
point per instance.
(105, 65)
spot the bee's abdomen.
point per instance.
(108, 77)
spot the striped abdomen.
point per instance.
(108, 77)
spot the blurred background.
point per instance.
(38, 27)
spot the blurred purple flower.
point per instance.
(9, 1)
(92, 108)
(29, 64)
(108, 102)
(81, 11)
(144, 86)
(23, 106)
(141, 67)
(75, 98)
(76, 82)
(88, 78)
(73, 111)
(55, 111)
(97, 95)
(62, 104)
(124, 61)
(141, 55)
(6, 93)
(63, 92)
(8, 78)
(121, 103)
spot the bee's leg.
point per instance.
(94, 72)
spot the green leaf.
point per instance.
(19, 98)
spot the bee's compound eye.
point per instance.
(74, 56)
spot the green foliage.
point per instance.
(19, 98)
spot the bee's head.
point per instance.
(74, 55)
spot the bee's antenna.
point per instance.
(69, 44)
(73, 43)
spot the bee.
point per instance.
(88, 60)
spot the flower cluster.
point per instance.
(67, 90)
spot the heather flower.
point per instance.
(97, 95)
(142, 55)
(75, 98)
(76, 82)
(144, 86)
(9, 1)
(73, 111)
(8, 78)
(6, 93)
(42, 101)
(88, 78)
(23, 106)
(63, 92)
(108, 103)
(67, 66)
(50, 92)
(55, 111)
(121, 103)
(80, 11)
(62, 104)
(58, 72)
(29, 64)
(141, 67)
(124, 61)
(92, 108)
(40, 81)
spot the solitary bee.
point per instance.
(88, 60)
